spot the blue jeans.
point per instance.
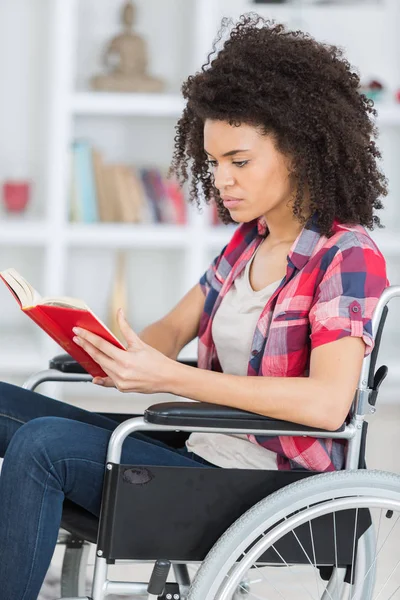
(52, 451)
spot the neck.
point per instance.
(283, 230)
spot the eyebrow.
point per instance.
(231, 152)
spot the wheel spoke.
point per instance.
(263, 578)
(243, 560)
(396, 590)
(335, 538)
(317, 579)
(269, 583)
(290, 569)
(354, 552)
(388, 579)
(382, 545)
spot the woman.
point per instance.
(276, 134)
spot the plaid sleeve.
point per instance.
(347, 296)
(206, 278)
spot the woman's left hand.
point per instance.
(139, 368)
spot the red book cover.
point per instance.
(58, 321)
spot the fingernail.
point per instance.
(76, 340)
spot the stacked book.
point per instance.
(102, 192)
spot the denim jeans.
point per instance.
(52, 451)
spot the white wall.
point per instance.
(369, 34)
(24, 90)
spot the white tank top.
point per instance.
(233, 329)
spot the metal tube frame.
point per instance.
(53, 375)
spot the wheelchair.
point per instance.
(248, 534)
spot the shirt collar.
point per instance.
(262, 226)
(303, 246)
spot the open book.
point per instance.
(57, 317)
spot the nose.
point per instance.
(223, 177)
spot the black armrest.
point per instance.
(203, 414)
(66, 364)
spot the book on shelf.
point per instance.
(103, 180)
(84, 184)
(176, 195)
(57, 316)
(128, 198)
(107, 192)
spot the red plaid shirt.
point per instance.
(330, 290)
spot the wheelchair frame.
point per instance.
(178, 416)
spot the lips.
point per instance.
(230, 202)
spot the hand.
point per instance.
(139, 368)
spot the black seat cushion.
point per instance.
(81, 523)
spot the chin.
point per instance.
(242, 217)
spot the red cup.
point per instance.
(16, 195)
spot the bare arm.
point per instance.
(321, 400)
(179, 327)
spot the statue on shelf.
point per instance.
(126, 61)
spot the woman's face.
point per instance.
(251, 175)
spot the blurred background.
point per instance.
(90, 98)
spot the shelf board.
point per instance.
(126, 104)
(388, 114)
(127, 235)
(23, 233)
(171, 105)
(219, 235)
(116, 235)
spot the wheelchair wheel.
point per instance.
(329, 537)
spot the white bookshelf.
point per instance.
(139, 105)
(171, 105)
(34, 233)
(70, 254)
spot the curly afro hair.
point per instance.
(307, 96)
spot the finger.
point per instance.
(106, 363)
(103, 381)
(130, 336)
(83, 335)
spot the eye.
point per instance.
(241, 163)
(212, 163)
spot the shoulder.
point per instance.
(352, 245)
(346, 237)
